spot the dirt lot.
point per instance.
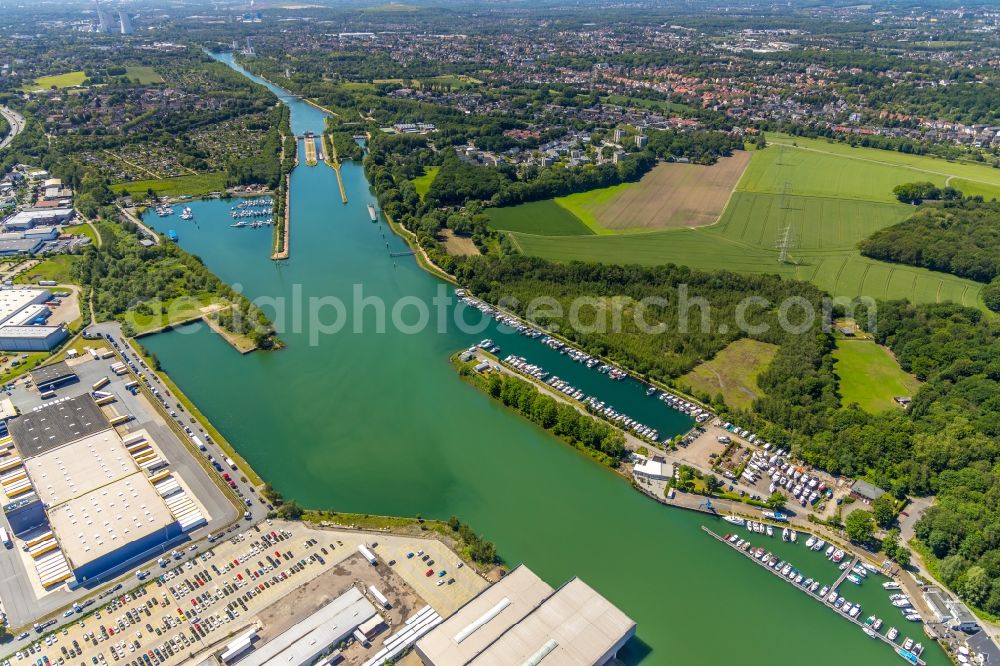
(460, 246)
(352, 572)
(674, 195)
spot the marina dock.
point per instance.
(843, 576)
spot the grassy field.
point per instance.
(870, 376)
(178, 310)
(545, 218)
(423, 183)
(144, 74)
(830, 196)
(82, 230)
(58, 268)
(733, 372)
(67, 80)
(194, 185)
(671, 195)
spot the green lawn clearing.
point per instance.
(144, 74)
(67, 80)
(423, 183)
(870, 376)
(732, 372)
(58, 268)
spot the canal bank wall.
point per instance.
(283, 242)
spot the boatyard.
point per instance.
(851, 568)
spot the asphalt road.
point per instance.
(16, 122)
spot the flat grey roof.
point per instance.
(51, 373)
(56, 424)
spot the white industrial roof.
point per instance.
(576, 625)
(302, 643)
(108, 518)
(13, 301)
(72, 470)
(520, 620)
(27, 331)
(473, 627)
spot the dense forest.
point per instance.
(122, 276)
(959, 237)
(946, 444)
(800, 380)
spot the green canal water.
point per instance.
(380, 423)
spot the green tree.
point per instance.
(860, 527)
(975, 586)
(777, 500)
(884, 511)
(290, 510)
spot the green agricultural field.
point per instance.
(545, 218)
(905, 168)
(194, 185)
(870, 376)
(732, 372)
(828, 195)
(423, 183)
(67, 80)
(144, 74)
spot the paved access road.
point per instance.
(16, 122)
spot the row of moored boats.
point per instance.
(593, 404)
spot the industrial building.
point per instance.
(22, 319)
(34, 217)
(52, 376)
(84, 501)
(522, 620)
(303, 643)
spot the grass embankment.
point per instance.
(829, 195)
(193, 185)
(870, 376)
(732, 372)
(460, 538)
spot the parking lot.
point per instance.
(270, 576)
(21, 601)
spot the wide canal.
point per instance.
(380, 423)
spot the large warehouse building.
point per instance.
(79, 491)
(20, 312)
(522, 620)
